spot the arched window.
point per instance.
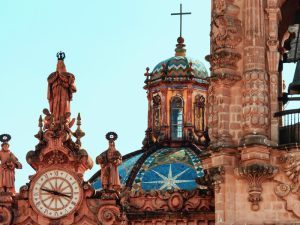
(176, 118)
(199, 113)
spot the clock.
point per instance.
(55, 193)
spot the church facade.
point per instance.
(218, 148)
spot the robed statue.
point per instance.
(109, 161)
(9, 163)
(61, 86)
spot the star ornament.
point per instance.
(170, 181)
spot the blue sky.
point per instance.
(108, 45)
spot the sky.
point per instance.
(108, 45)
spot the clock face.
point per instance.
(55, 193)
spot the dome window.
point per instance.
(177, 118)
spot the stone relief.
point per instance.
(288, 187)
(256, 174)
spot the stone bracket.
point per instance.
(256, 174)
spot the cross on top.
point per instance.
(181, 13)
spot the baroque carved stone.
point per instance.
(226, 34)
(256, 174)
(288, 189)
(109, 215)
(170, 200)
(255, 100)
(6, 216)
(212, 178)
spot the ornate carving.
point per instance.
(226, 34)
(289, 189)
(212, 178)
(173, 201)
(256, 98)
(226, 31)
(6, 216)
(199, 113)
(109, 215)
(223, 60)
(256, 174)
(156, 113)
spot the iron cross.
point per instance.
(181, 13)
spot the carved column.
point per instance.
(225, 38)
(273, 60)
(255, 80)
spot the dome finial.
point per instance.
(181, 14)
(180, 50)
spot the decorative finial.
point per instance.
(111, 136)
(78, 132)
(147, 72)
(180, 50)
(5, 138)
(39, 135)
(60, 55)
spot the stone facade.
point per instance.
(260, 180)
(226, 120)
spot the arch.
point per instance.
(176, 117)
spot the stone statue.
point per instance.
(9, 163)
(61, 86)
(109, 161)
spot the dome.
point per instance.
(163, 169)
(181, 68)
(178, 68)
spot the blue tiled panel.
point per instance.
(170, 176)
(169, 168)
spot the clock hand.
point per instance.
(55, 192)
(47, 190)
(64, 195)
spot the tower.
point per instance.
(176, 92)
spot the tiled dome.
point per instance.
(178, 68)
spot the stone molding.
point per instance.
(167, 201)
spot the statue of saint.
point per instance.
(9, 163)
(61, 86)
(109, 161)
